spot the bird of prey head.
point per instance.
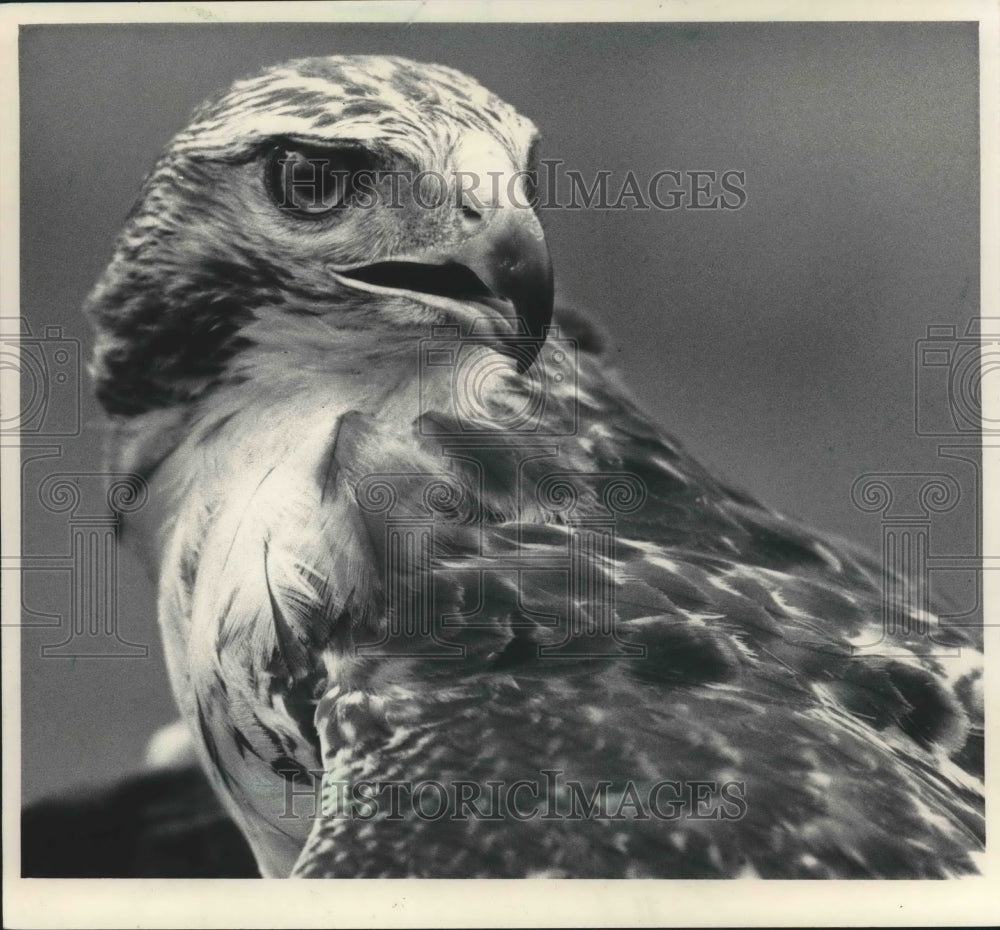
(378, 194)
(406, 534)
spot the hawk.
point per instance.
(420, 555)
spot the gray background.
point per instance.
(776, 340)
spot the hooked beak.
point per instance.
(504, 264)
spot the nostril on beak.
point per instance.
(470, 214)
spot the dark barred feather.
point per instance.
(747, 676)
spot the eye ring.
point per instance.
(310, 183)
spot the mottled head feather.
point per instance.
(204, 254)
(369, 98)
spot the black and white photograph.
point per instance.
(481, 441)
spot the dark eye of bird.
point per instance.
(311, 182)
